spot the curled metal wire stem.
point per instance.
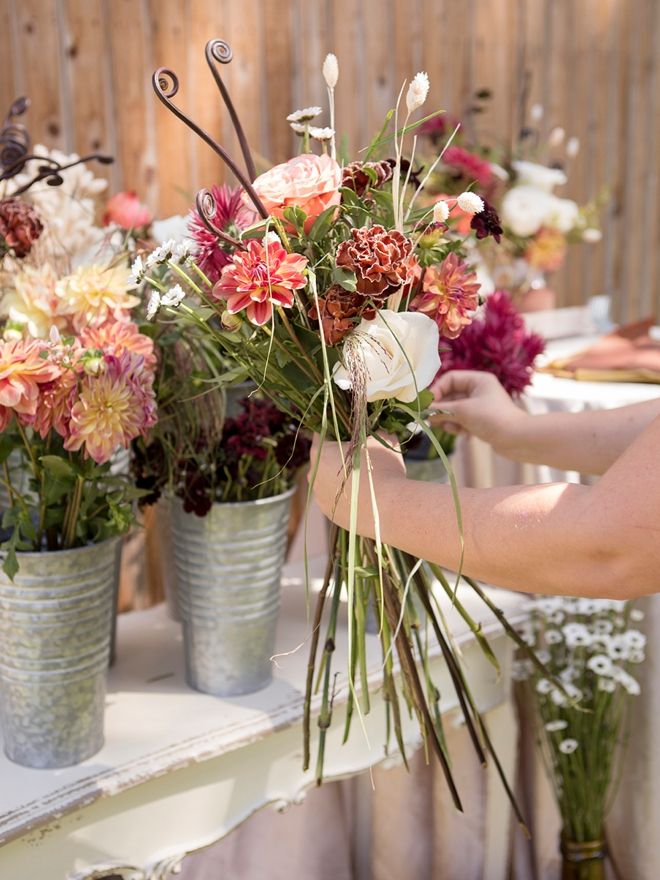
(220, 51)
(50, 170)
(166, 84)
(207, 209)
(14, 137)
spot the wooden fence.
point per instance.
(592, 64)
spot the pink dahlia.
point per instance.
(468, 164)
(496, 342)
(259, 277)
(450, 295)
(116, 337)
(113, 407)
(232, 215)
(23, 372)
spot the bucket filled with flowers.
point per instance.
(230, 513)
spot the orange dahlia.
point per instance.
(23, 372)
(450, 295)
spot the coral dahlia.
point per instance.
(450, 295)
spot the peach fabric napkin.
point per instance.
(629, 354)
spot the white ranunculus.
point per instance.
(563, 214)
(525, 209)
(400, 352)
(533, 174)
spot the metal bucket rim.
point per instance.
(41, 554)
(255, 502)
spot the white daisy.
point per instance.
(568, 746)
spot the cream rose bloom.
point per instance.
(400, 353)
(540, 176)
(563, 214)
(525, 209)
(309, 182)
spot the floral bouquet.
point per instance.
(76, 374)
(333, 301)
(591, 646)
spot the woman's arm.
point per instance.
(601, 540)
(588, 442)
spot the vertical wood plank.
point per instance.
(379, 72)
(38, 53)
(348, 38)
(280, 100)
(8, 84)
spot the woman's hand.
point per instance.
(388, 474)
(476, 403)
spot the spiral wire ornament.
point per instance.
(14, 139)
(207, 209)
(220, 51)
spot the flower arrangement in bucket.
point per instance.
(536, 224)
(333, 301)
(76, 384)
(592, 647)
(229, 514)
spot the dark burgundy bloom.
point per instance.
(20, 227)
(438, 127)
(496, 342)
(293, 450)
(487, 222)
(358, 176)
(197, 497)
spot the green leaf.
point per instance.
(322, 224)
(345, 278)
(7, 446)
(58, 467)
(296, 217)
(10, 565)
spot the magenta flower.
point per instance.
(496, 342)
(232, 215)
(468, 164)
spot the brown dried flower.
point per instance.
(337, 309)
(356, 177)
(20, 227)
(382, 260)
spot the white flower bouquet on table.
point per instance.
(334, 301)
(592, 647)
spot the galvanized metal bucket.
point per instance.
(168, 567)
(229, 565)
(55, 624)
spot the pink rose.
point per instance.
(308, 181)
(126, 210)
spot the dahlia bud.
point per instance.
(330, 70)
(230, 322)
(417, 91)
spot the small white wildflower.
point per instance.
(548, 605)
(635, 639)
(137, 271)
(569, 673)
(183, 251)
(568, 746)
(600, 664)
(174, 296)
(577, 635)
(440, 211)
(271, 237)
(554, 726)
(556, 136)
(587, 606)
(521, 670)
(617, 648)
(636, 656)
(603, 627)
(304, 115)
(553, 636)
(153, 305)
(298, 127)
(161, 254)
(470, 202)
(558, 698)
(330, 70)
(557, 617)
(592, 235)
(543, 686)
(321, 134)
(629, 683)
(606, 684)
(572, 147)
(417, 91)
(536, 112)
(637, 614)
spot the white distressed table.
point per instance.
(180, 769)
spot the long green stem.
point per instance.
(72, 513)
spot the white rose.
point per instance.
(525, 209)
(400, 352)
(533, 174)
(563, 214)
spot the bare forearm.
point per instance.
(588, 442)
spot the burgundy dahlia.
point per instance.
(496, 342)
(232, 215)
(358, 176)
(487, 222)
(20, 227)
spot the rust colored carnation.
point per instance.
(336, 311)
(450, 295)
(356, 175)
(382, 260)
(20, 227)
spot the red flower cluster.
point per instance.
(468, 165)
(498, 343)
